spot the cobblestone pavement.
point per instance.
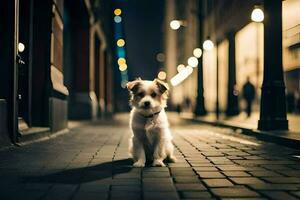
(92, 162)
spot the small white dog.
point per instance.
(151, 137)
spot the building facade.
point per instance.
(179, 46)
(55, 65)
(238, 52)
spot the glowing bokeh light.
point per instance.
(121, 42)
(257, 15)
(160, 57)
(117, 11)
(122, 67)
(162, 75)
(182, 75)
(121, 61)
(180, 67)
(197, 52)
(193, 61)
(175, 24)
(117, 19)
(208, 45)
(21, 47)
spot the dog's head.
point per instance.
(148, 96)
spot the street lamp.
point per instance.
(257, 15)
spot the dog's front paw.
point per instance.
(158, 163)
(139, 164)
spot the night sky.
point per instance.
(143, 30)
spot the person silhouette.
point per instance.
(249, 95)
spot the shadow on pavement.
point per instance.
(85, 174)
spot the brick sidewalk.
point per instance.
(92, 163)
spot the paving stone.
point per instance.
(116, 195)
(157, 180)
(213, 153)
(90, 196)
(127, 175)
(276, 195)
(201, 164)
(124, 181)
(235, 157)
(155, 169)
(282, 179)
(276, 167)
(210, 175)
(238, 153)
(128, 188)
(195, 195)
(253, 157)
(93, 187)
(205, 169)
(156, 174)
(295, 173)
(234, 192)
(271, 186)
(264, 173)
(193, 179)
(247, 180)
(178, 165)
(230, 167)
(189, 186)
(161, 195)
(158, 187)
(183, 173)
(181, 169)
(236, 173)
(217, 182)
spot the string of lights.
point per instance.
(120, 47)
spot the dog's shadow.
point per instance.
(85, 174)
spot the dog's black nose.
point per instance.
(147, 103)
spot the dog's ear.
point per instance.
(161, 85)
(133, 85)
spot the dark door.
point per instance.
(24, 64)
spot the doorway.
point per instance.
(24, 71)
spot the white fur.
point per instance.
(151, 137)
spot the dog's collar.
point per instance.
(152, 115)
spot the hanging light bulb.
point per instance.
(208, 45)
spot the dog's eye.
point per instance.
(141, 94)
(153, 94)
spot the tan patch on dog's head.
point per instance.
(148, 95)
